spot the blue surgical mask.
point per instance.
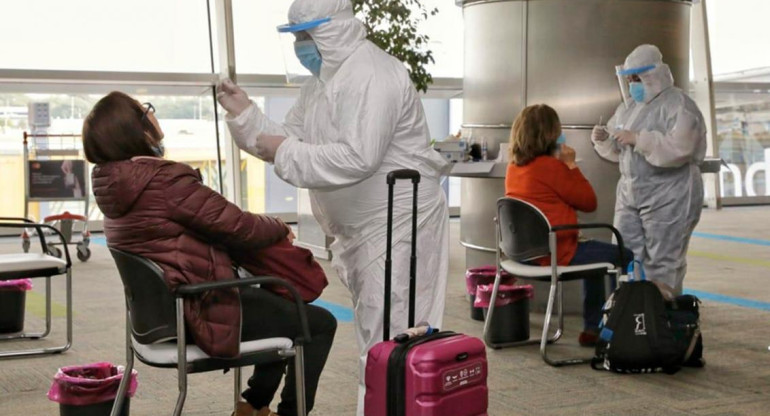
(561, 139)
(158, 149)
(308, 56)
(636, 89)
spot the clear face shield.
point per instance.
(623, 85)
(625, 76)
(301, 57)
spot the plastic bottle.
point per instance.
(484, 153)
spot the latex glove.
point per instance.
(599, 134)
(567, 155)
(267, 146)
(417, 331)
(232, 97)
(626, 137)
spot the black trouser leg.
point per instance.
(266, 315)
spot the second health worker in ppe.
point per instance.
(659, 138)
(356, 119)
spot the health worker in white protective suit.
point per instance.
(358, 118)
(659, 138)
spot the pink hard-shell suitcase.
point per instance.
(437, 374)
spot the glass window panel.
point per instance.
(738, 34)
(446, 39)
(743, 142)
(189, 133)
(261, 189)
(257, 47)
(67, 112)
(187, 122)
(128, 36)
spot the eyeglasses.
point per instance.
(148, 109)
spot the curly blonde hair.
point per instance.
(534, 133)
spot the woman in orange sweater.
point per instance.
(543, 172)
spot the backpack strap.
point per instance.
(693, 342)
(630, 271)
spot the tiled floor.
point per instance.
(731, 275)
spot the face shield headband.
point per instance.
(301, 56)
(628, 91)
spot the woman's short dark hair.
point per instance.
(534, 134)
(115, 129)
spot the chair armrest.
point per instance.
(39, 227)
(188, 290)
(614, 230)
(20, 219)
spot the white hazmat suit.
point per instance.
(660, 191)
(357, 121)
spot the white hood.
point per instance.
(335, 40)
(655, 80)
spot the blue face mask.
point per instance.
(158, 149)
(308, 56)
(561, 139)
(636, 89)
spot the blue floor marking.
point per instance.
(345, 314)
(745, 303)
(342, 313)
(733, 239)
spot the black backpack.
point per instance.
(642, 333)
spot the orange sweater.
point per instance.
(558, 191)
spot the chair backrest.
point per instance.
(523, 229)
(150, 304)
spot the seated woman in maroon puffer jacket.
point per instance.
(160, 210)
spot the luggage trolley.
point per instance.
(56, 172)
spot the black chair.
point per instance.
(524, 234)
(38, 265)
(155, 330)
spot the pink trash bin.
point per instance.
(510, 322)
(13, 295)
(90, 390)
(483, 275)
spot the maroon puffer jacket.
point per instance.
(160, 210)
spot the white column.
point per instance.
(703, 92)
(225, 46)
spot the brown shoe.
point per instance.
(245, 409)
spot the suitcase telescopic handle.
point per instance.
(403, 174)
(391, 179)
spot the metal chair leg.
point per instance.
(117, 405)
(69, 310)
(53, 350)
(299, 375)
(236, 387)
(552, 298)
(47, 308)
(36, 335)
(488, 323)
(547, 322)
(181, 357)
(491, 309)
